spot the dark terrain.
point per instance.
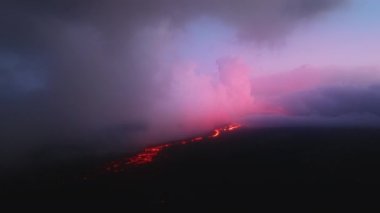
(229, 171)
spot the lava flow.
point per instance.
(147, 155)
(150, 153)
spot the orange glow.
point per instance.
(197, 139)
(215, 134)
(232, 127)
(150, 153)
(147, 155)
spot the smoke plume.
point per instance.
(70, 69)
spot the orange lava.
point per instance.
(216, 133)
(232, 127)
(197, 139)
(147, 155)
(150, 153)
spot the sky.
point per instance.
(336, 51)
(351, 31)
(113, 75)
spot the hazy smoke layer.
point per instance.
(71, 68)
(308, 95)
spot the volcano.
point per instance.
(150, 153)
(227, 167)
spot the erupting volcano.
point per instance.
(150, 153)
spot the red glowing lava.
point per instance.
(216, 133)
(147, 155)
(150, 153)
(197, 139)
(232, 127)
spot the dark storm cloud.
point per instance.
(75, 66)
(22, 21)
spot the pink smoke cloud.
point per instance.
(197, 101)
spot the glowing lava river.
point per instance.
(150, 153)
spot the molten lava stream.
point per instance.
(147, 155)
(150, 153)
(216, 133)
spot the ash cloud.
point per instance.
(73, 68)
